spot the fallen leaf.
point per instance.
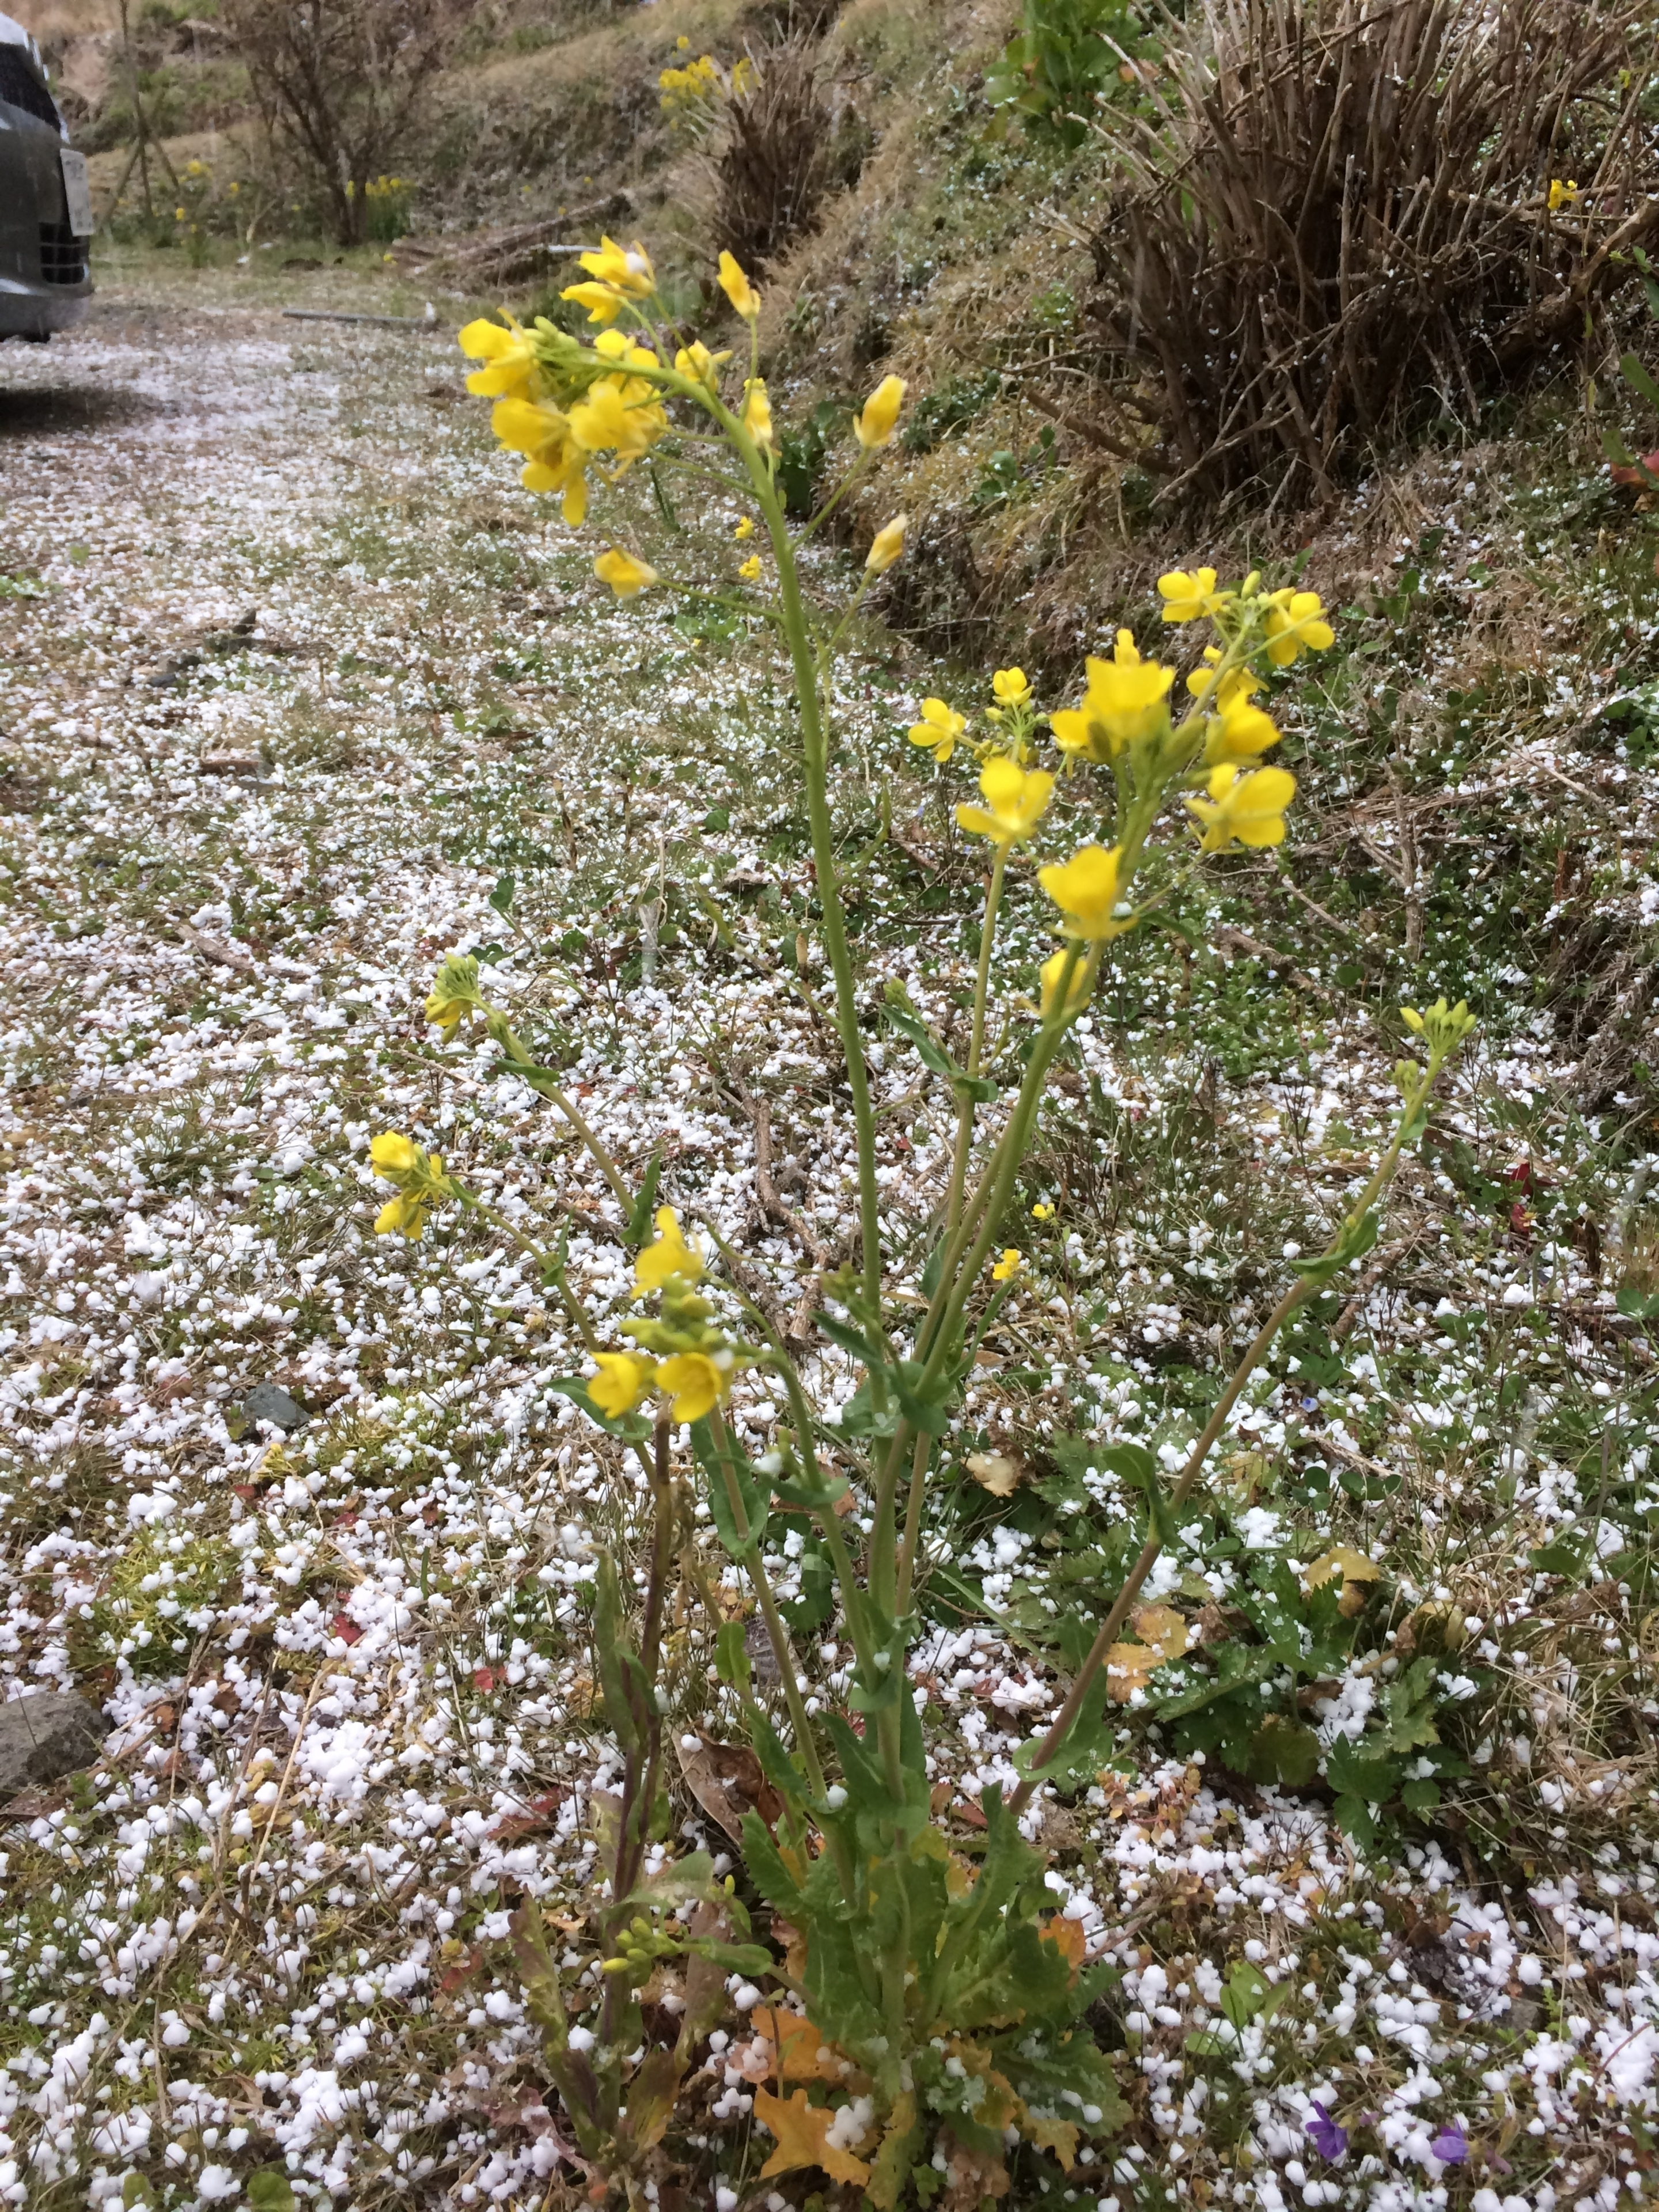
(483, 1678)
(1341, 1559)
(1057, 2135)
(1068, 1938)
(995, 1472)
(1129, 1667)
(801, 2130)
(346, 1628)
(1642, 475)
(803, 2054)
(726, 1781)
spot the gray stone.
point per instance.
(269, 1402)
(44, 1737)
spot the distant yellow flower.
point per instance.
(179, 214)
(745, 528)
(1241, 731)
(702, 367)
(1125, 702)
(1295, 624)
(749, 570)
(620, 274)
(669, 1258)
(1085, 890)
(757, 414)
(873, 425)
(622, 1380)
(625, 575)
(1007, 1267)
(682, 44)
(1077, 991)
(886, 546)
(696, 1384)
(737, 289)
(1245, 808)
(1561, 195)
(1009, 688)
(1190, 594)
(938, 729)
(1042, 1212)
(1015, 801)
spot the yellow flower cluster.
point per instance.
(418, 1177)
(696, 1374)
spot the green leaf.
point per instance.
(1284, 1751)
(1248, 1995)
(732, 1654)
(812, 1497)
(1356, 1239)
(934, 1057)
(751, 1491)
(642, 1219)
(501, 897)
(1637, 1305)
(134, 2190)
(1638, 379)
(750, 1959)
(267, 2191)
(623, 1684)
(929, 1414)
(1353, 1773)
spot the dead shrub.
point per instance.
(1340, 222)
(780, 155)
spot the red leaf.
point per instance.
(346, 1628)
(247, 1492)
(483, 1678)
(1643, 474)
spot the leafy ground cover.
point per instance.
(300, 696)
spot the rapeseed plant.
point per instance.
(950, 2000)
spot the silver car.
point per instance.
(46, 208)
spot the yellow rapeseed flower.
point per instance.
(1241, 731)
(1295, 624)
(619, 415)
(1007, 1267)
(1245, 807)
(404, 1215)
(1010, 687)
(625, 575)
(1126, 702)
(1085, 890)
(873, 425)
(745, 528)
(886, 546)
(1189, 594)
(1042, 1212)
(1015, 801)
(669, 1258)
(749, 569)
(1077, 991)
(393, 1155)
(757, 414)
(1562, 194)
(737, 289)
(938, 729)
(619, 273)
(697, 1386)
(702, 367)
(553, 462)
(508, 355)
(622, 1380)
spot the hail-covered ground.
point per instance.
(300, 694)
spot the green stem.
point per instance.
(1076, 1696)
(976, 1042)
(907, 1563)
(552, 1269)
(545, 1083)
(755, 1567)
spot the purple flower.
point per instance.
(1329, 2140)
(1450, 2146)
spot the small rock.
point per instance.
(269, 1402)
(44, 1737)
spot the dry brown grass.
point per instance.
(1339, 221)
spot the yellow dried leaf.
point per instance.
(801, 2130)
(804, 2055)
(1162, 1633)
(1068, 1938)
(1057, 2135)
(1341, 1559)
(995, 1472)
